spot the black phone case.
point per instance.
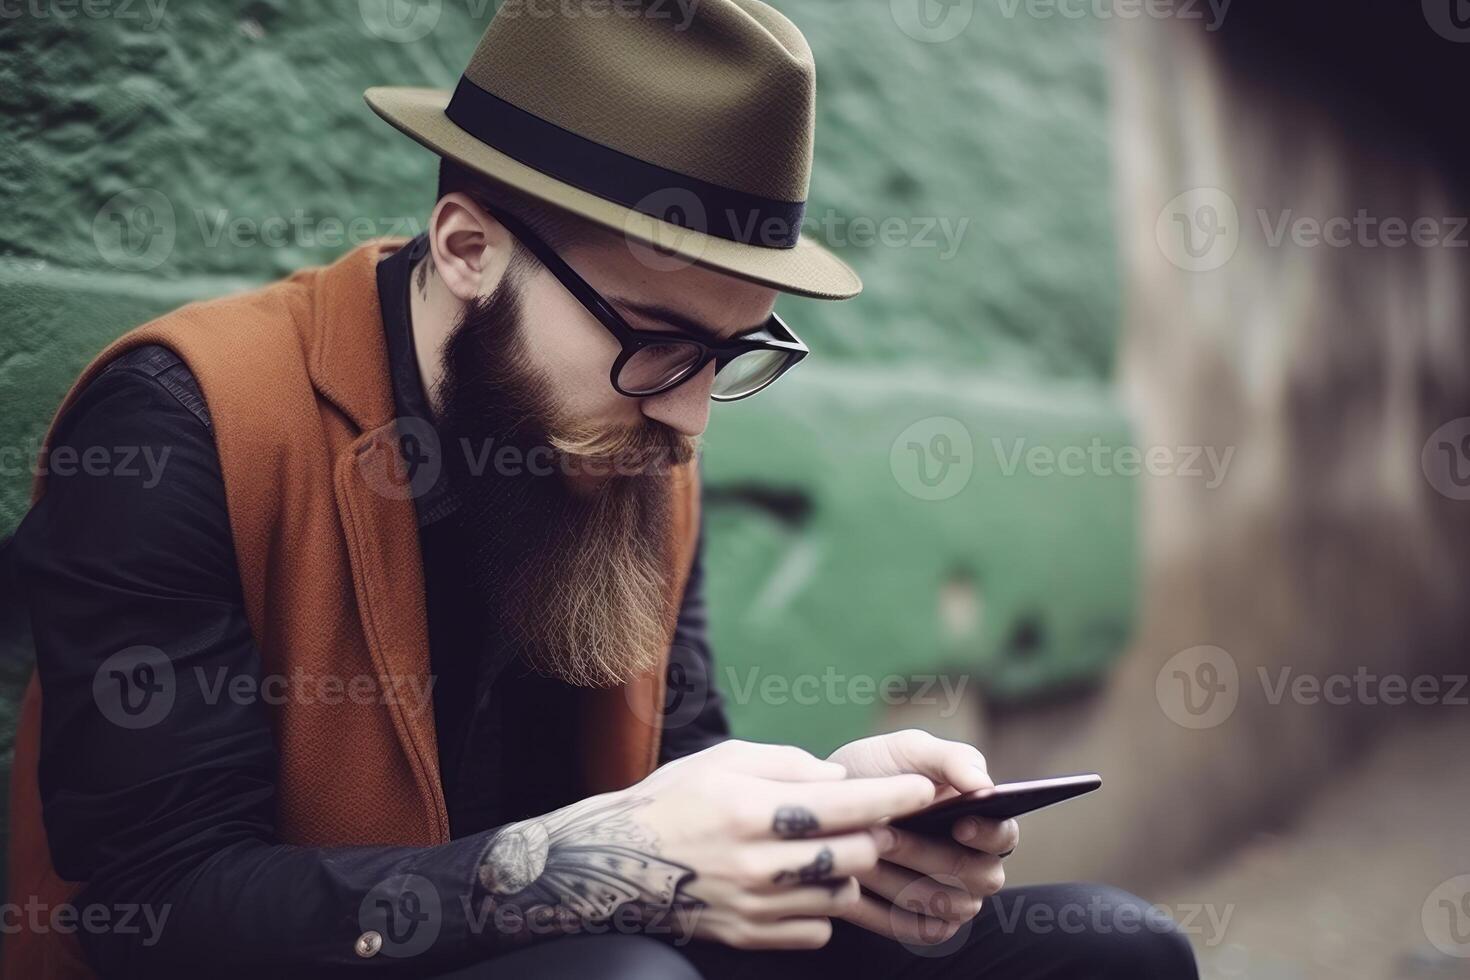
(937, 820)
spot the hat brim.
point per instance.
(807, 269)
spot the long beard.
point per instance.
(576, 576)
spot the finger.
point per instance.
(956, 764)
(811, 933)
(990, 836)
(851, 804)
(780, 865)
(977, 872)
(807, 900)
(948, 898)
(943, 793)
(780, 762)
(883, 917)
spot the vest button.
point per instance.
(368, 944)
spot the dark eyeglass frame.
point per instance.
(773, 335)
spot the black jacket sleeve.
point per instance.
(158, 763)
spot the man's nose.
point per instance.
(685, 409)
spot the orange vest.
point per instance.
(297, 382)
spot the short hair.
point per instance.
(557, 227)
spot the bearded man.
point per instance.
(370, 679)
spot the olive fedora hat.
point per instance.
(687, 127)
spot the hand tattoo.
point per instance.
(819, 872)
(582, 864)
(794, 821)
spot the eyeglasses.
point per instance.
(655, 361)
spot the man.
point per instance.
(370, 678)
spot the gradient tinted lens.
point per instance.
(748, 372)
(657, 366)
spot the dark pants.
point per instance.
(1087, 932)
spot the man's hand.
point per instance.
(925, 888)
(751, 845)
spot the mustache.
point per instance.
(642, 448)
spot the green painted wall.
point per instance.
(153, 155)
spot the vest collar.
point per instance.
(348, 344)
(348, 364)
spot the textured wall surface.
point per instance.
(1336, 551)
(155, 154)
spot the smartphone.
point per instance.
(998, 802)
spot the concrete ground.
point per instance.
(1358, 887)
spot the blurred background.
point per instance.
(1146, 450)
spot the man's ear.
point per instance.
(471, 249)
